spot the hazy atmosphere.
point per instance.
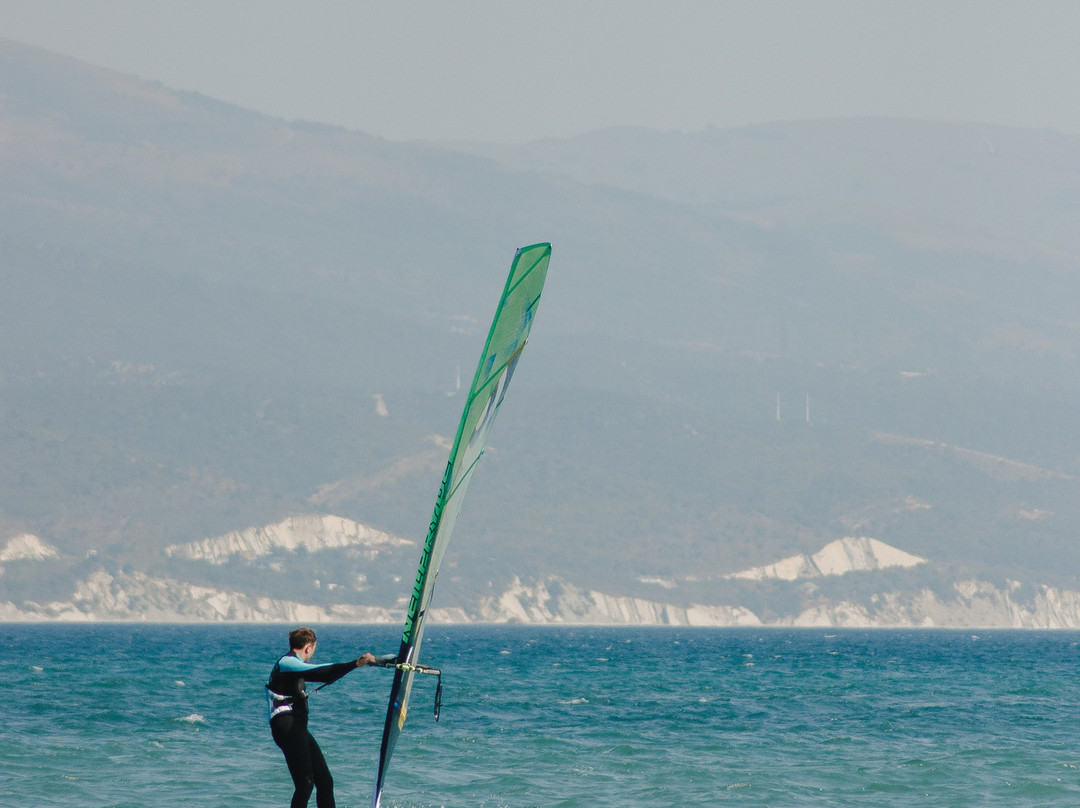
(507, 72)
(807, 355)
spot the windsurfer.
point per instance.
(286, 698)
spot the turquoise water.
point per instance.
(137, 715)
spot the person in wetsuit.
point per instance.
(287, 698)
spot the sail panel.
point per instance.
(506, 339)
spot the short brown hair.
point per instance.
(299, 637)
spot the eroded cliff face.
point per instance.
(312, 532)
(27, 547)
(138, 597)
(972, 603)
(849, 554)
(242, 559)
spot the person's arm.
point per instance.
(322, 673)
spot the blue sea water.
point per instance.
(174, 715)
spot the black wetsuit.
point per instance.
(288, 712)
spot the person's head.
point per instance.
(302, 640)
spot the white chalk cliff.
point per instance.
(104, 595)
(971, 604)
(312, 532)
(27, 547)
(849, 554)
(139, 597)
(553, 600)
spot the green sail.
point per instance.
(505, 342)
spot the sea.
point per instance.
(138, 715)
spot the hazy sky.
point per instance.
(500, 70)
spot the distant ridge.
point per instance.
(213, 318)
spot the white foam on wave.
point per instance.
(194, 718)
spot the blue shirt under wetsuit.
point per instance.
(287, 708)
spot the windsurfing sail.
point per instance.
(505, 342)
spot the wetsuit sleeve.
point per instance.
(316, 673)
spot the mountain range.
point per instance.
(225, 330)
